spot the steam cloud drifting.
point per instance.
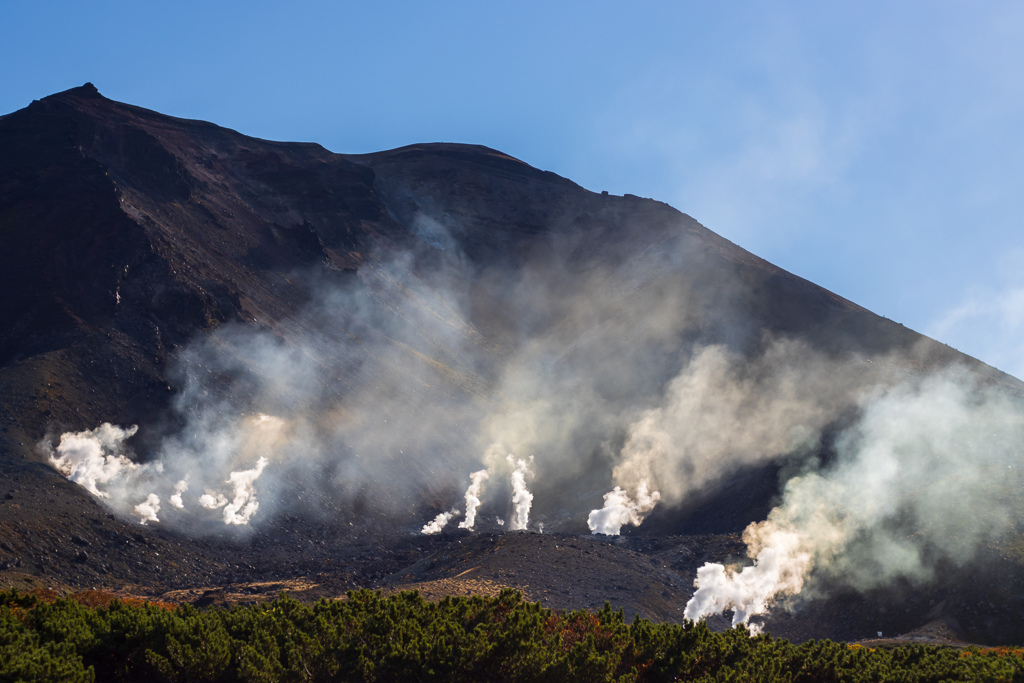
(613, 373)
(930, 472)
(725, 411)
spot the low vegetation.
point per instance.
(370, 637)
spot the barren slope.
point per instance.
(128, 237)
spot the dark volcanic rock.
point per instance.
(126, 235)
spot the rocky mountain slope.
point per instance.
(379, 327)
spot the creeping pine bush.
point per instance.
(402, 637)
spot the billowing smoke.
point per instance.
(95, 457)
(213, 501)
(619, 509)
(440, 522)
(180, 488)
(726, 410)
(147, 510)
(780, 568)
(383, 390)
(931, 472)
(473, 494)
(627, 357)
(244, 504)
(388, 384)
(98, 460)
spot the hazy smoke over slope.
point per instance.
(365, 393)
(930, 472)
(382, 390)
(725, 411)
(541, 386)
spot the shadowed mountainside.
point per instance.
(142, 255)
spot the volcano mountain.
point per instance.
(327, 346)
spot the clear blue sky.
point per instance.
(876, 148)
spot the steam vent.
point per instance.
(231, 367)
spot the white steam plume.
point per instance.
(931, 471)
(440, 522)
(244, 504)
(97, 460)
(212, 500)
(522, 499)
(779, 568)
(147, 510)
(473, 493)
(94, 457)
(179, 489)
(620, 509)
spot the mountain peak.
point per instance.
(238, 298)
(86, 90)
